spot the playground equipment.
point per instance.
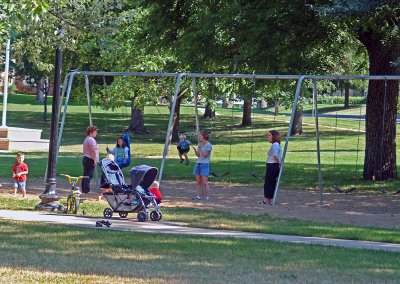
(299, 78)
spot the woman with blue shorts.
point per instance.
(202, 166)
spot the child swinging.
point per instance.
(183, 148)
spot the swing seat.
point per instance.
(128, 144)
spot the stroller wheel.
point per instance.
(107, 213)
(155, 215)
(142, 216)
(123, 215)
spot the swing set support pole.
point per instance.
(67, 96)
(88, 99)
(171, 118)
(196, 112)
(296, 100)
(315, 97)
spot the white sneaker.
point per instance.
(207, 198)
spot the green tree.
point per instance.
(375, 23)
(246, 37)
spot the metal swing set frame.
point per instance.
(69, 79)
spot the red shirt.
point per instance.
(156, 192)
(19, 168)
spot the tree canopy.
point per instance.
(274, 37)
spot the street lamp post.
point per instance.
(50, 198)
(5, 84)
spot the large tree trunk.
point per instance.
(276, 107)
(46, 95)
(381, 111)
(40, 90)
(246, 119)
(44, 87)
(227, 103)
(262, 104)
(175, 125)
(137, 120)
(209, 112)
(297, 127)
(346, 96)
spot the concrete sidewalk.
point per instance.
(180, 229)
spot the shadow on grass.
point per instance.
(48, 248)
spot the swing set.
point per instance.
(69, 79)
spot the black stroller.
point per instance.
(134, 198)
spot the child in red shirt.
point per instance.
(20, 170)
(154, 189)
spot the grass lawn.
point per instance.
(34, 252)
(62, 254)
(236, 150)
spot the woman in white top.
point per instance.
(202, 166)
(273, 165)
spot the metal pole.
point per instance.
(88, 98)
(315, 96)
(63, 90)
(71, 80)
(296, 99)
(5, 84)
(196, 113)
(50, 198)
(171, 117)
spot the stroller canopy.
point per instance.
(112, 174)
(143, 175)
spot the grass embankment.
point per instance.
(55, 253)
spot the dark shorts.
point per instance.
(183, 151)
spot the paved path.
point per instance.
(180, 229)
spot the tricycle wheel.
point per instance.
(107, 213)
(69, 203)
(76, 205)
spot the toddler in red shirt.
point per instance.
(155, 190)
(20, 170)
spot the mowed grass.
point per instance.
(62, 254)
(34, 252)
(238, 155)
(263, 223)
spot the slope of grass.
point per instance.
(62, 254)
